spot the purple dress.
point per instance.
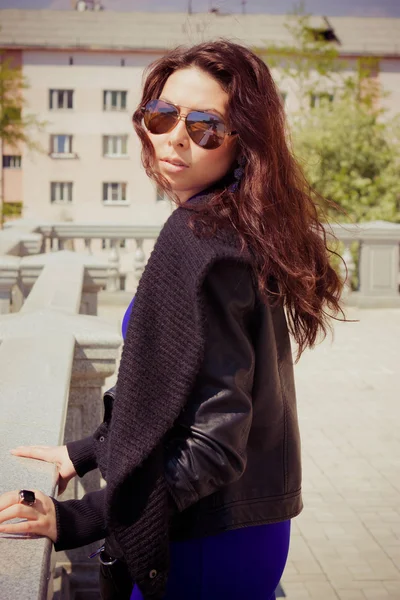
(237, 565)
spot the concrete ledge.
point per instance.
(34, 398)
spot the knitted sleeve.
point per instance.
(208, 447)
(82, 455)
(80, 522)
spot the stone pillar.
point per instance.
(379, 261)
(350, 266)
(9, 273)
(380, 265)
(113, 267)
(140, 259)
(19, 243)
(94, 280)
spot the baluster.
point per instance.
(348, 259)
(139, 259)
(113, 271)
(88, 245)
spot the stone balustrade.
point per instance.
(55, 355)
(19, 242)
(371, 249)
(121, 241)
(378, 260)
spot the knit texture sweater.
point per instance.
(161, 357)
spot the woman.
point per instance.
(200, 445)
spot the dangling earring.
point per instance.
(238, 173)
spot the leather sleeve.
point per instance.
(207, 446)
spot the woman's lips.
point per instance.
(173, 168)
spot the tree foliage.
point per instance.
(16, 126)
(347, 144)
(352, 158)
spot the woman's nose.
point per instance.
(179, 134)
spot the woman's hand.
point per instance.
(41, 516)
(52, 454)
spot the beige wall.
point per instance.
(87, 122)
(13, 184)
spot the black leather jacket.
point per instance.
(232, 458)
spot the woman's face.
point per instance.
(197, 90)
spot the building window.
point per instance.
(115, 145)
(114, 100)
(161, 195)
(11, 161)
(114, 193)
(61, 99)
(320, 99)
(61, 192)
(61, 144)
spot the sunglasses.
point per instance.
(205, 129)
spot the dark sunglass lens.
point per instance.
(159, 116)
(205, 129)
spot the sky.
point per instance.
(367, 8)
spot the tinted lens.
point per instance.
(205, 129)
(160, 117)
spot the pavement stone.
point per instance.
(348, 401)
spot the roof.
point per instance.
(134, 31)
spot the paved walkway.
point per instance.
(346, 543)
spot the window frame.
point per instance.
(121, 97)
(57, 190)
(118, 141)
(56, 153)
(54, 98)
(12, 159)
(122, 192)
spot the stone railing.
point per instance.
(377, 262)
(371, 249)
(55, 355)
(126, 246)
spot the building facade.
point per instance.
(85, 71)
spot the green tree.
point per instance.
(352, 157)
(349, 147)
(17, 127)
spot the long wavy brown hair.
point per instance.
(274, 209)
